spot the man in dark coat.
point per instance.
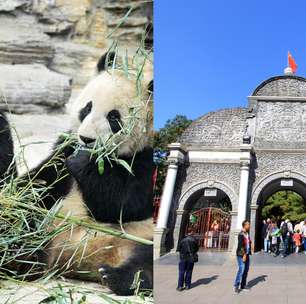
(188, 248)
(243, 253)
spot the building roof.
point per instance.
(285, 85)
(223, 128)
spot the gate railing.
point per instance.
(212, 227)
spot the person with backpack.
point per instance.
(243, 253)
(286, 231)
(188, 248)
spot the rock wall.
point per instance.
(49, 48)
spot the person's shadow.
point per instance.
(257, 280)
(204, 281)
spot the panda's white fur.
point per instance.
(110, 90)
(79, 250)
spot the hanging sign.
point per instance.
(210, 192)
(287, 182)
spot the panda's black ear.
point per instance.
(105, 61)
(150, 87)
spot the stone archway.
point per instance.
(184, 209)
(274, 182)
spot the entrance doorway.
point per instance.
(280, 200)
(208, 216)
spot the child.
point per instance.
(297, 240)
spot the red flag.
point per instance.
(292, 63)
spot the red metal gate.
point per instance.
(212, 226)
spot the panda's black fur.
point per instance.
(7, 166)
(115, 193)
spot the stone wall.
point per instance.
(49, 48)
(224, 128)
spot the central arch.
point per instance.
(271, 184)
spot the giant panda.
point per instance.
(7, 165)
(117, 198)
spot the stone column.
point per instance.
(176, 157)
(253, 222)
(243, 193)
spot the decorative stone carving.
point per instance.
(222, 128)
(281, 124)
(271, 162)
(228, 174)
(282, 86)
(205, 184)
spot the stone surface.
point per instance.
(68, 36)
(222, 128)
(71, 56)
(35, 292)
(282, 86)
(32, 88)
(272, 280)
(34, 136)
(22, 42)
(11, 5)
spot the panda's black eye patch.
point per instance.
(114, 119)
(85, 111)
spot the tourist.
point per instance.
(188, 248)
(264, 234)
(243, 257)
(275, 239)
(297, 240)
(303, 232)
(286, 230)
(266, 229)
(215, 234)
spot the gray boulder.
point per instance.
(32, 89)
(23, 42)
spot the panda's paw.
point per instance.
(76, 163)
(118, 281)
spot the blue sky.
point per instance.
(211, 54)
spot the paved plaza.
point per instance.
(272, 280)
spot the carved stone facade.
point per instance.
(216, 153)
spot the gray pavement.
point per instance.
(272, 280)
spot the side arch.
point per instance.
(204, 185)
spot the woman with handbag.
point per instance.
(188, 248)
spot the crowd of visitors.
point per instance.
(285, 238)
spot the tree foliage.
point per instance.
(285, 205)
(172, 130)
(170, 133)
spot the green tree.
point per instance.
(170, 133)
(285, 204)
(172, 130)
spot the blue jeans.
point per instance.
(266, 245)
(286, 240)
(304, 243)
(242, 274)
(185, 273)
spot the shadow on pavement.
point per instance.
(204, 281)
(257, 280)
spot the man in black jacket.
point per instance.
(188, 248)
(243, 253)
